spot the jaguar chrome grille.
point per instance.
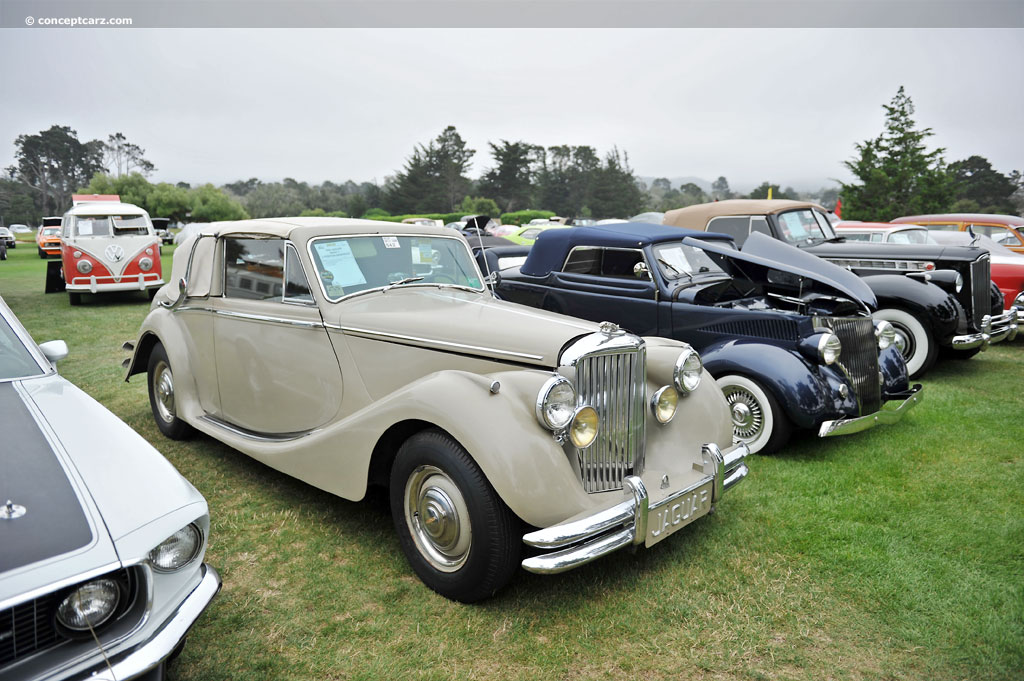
(859, 358)
(980, 289)
(615, 384)
(28, 628)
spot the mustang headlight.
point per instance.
(688, 371)
(556, 403)
(885, 333)
(84, 266)
(90, 605)
(664, 404)
(584, 425)
(178, 550)
(829, 348)
(145, 264)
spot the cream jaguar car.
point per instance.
(350, 353)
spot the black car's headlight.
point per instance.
(90, 605)
(178, 550)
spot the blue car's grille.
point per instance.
(859, 358)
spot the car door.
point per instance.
(276, 368)
(607, 284)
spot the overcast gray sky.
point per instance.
(219, 105)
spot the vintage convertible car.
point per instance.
(1006, 230)
(349, 353)
(788, 345)
(106, 246)
(101, 539)
(936, 297)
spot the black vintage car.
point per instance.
(788, 346)
(937, 297)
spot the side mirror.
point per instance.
(493, 279)
(182, 285)
(640, 270)
(54, 351)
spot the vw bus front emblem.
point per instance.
(114, 252)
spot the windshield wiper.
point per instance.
(407, 280)
(673, 268)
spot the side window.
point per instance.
(1001, 235)
(583, 260)
(760, 225)
(296, 287)
(736, 227)
(253, 268)
(877, 236)
(943, 228)
(603, 262)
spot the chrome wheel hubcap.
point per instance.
(438, 519)
(747, 413)
(163, 389)
(903, 341)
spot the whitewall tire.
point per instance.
(757, 418)
(913, 340)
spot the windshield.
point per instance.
(15, 359)
(110, 225)
(51, 231)
(801, 226)
(910, 236)
(347, 265)
(677, 260)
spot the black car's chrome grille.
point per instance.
(28, 628)
(859, 357)
(776, 329)
(614, 384)
(980, 289)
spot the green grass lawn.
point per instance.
(893, 554)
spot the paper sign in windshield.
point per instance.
(337, 259)
(422, 254)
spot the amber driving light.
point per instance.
(664, 404)
(583, 429)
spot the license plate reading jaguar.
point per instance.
(677, 514)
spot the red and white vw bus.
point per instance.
(106, 246)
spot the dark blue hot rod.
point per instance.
(788, 337)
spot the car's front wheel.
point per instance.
(162, 396)
(913, 340)
(757, 418)
(457, 533)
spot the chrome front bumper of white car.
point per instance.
(151, 653)
(579, 541)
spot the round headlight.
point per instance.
(84, 266)
(583, 429)
(688, 371)
(829, 348)
(90, 605)
(178, 550)
(556, 403)
(145, 264)
(664, 404)
(886, 334)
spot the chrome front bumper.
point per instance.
(148, 655)
(993, 330)
(579, 541)
(882, 416)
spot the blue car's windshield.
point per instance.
(677, 260)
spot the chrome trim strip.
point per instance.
(268, 318)
(383, 335)
(253, 435)
(882, 417)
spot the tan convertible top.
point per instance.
(307, 227)
(696, 217)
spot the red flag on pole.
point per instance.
(839, 208)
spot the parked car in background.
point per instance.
(48, 237)
(787, 344)
(937, 297)
(21, 229)
(525, 236)
(882, 232)
(101, 539)
(1005, 230)
(350, 353)
(162, 227)
(7, 236)
(106, 246)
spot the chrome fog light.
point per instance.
(84, 266)
(829, 348)
(664, 404)
(178, 550)
(556, 403)
(885, 333)
(688, 371)
(145, 264)
(583, 429)
(90, 605)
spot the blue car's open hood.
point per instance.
(761, 254)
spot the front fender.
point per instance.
(806, 398)
(937, 309)
(894, 371)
